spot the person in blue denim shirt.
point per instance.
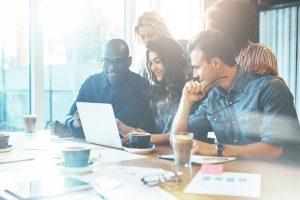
(252, 116)
(115, 85)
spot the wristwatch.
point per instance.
(219, 149)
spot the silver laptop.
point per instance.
(99, 124)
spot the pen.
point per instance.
(217, 159)
(97, 190)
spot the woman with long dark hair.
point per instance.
(166, 67)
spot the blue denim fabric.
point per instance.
(258, 108)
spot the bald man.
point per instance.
(115, 85)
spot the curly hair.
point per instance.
(172, 57)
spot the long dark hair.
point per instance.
(171, 54)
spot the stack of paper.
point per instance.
(232, 184)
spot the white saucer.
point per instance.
(7, 149)
(76, 170)
(138, 150)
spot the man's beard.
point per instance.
(115, 77)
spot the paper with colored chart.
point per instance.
(229, 184)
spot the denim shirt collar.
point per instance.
(238, 82)
(237, 85)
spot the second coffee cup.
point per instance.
(139, 140)
(182, 145)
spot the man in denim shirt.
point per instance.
(252, 116)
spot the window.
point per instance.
(74, 32)
(183, 17)
(46, 79)
(14, 63)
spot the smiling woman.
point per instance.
(167, 75)
(156, 66)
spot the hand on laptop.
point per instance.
(125, 140)
(124, 129)
(59, 129)
(76, 122)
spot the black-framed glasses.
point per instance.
(156, 179)
(116, 62)
(220, 110)
(195, 68)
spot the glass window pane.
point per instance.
(74, 32)
(140, 7)
(14, 63)
(187, 14)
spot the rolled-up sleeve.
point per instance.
(280, 124)
(199, 124)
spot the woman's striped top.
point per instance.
(255, 54)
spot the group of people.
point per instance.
(220, 82)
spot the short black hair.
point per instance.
(117, 45)
(237, 18)
(213, 43)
